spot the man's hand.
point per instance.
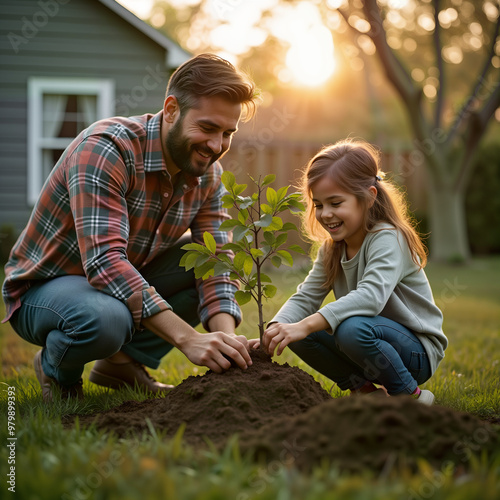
(210, 349)
(205, 349)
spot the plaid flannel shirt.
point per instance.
(107, 209)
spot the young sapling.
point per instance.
(259, 235)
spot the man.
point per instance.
(95, 274)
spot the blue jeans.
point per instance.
(362, 349)
(76, 323)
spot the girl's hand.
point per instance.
(282, 334)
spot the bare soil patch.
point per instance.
(281, 413)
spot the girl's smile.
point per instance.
(333, 228)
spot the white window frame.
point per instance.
(103, 89)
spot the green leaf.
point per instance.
(269, 237)
(235, 247)
(276, 224)
(210, 242)
(268, 179)
(245, 202)
(271, 196)
(251, 282)
(229, 225)
(242, 297)
(265, 278)
(239, 232)
(191, 259)
(248, 265)
(276, 261)
(202, 258)
(270, 291)
(282, 192)
(183, 259)
(239, 260)
(228, 180)
(286, 257)
(221, 268)
(197, 247)
(281, 239)
(297, 248)
(256, 253)
(239, 188)
(227, 201)
(264, 221)
(265, 208)
(188, 260)
(294, 196)
(266, 248)
(289, 226)
(299, 206)
(205, 270)
(243, 215)
(226, 259)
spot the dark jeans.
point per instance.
(374, 349)
(75, 323)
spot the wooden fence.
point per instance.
(286, 159)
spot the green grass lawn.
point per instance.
(52, 463)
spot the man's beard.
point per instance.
(180, 151)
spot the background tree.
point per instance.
(445, 139)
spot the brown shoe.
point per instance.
(116, 375)
(50, 386)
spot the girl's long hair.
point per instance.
(354, 167)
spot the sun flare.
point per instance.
(310, 59)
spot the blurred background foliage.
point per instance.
(352, 94)
(323, 79)
(320, 63)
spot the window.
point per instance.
(58, 110)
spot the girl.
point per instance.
(384, 326)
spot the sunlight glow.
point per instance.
(309, 60)
(141, 9)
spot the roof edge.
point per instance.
(175, 56)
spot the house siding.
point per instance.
(67, 39)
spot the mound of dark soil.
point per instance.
(282, 414)
(363, 432)
(219, 405)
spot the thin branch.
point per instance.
(394, 69)
(465, 111)
(400, 78)
(492, 103)
(355, 30)
(440, 66)
(346, 19)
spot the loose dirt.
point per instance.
(281, 413)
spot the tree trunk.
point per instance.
(449, 240)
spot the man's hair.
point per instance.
(209, 75)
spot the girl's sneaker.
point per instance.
(425, 397)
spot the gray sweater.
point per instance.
(381, 279)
